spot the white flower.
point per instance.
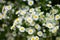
(22, 12)
(30, 2)
(38, 8)
(43, 24)
(53, 11)
(50, 2)
(29, 19)
(31, 10)
(35, 17)
(33, 38)
(30, 31)
(36, 38)
(22, 29)
(54, 30)
(33, 13)
(39, 33)
(4, 11)
(44, 30)
(17, 21)
(41, 13)
(49, 5)
(57, 17)
(49, 25)
(37, 26)
(9, 7)
(57, 27)
(32, 23)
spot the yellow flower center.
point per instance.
(32, 39)
(30, 2)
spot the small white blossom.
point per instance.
(29, 19)
(49, 25)
(30, 31)
(31, 10)
(35, 17)
(32, 23)
(57, 17)
(22, 12)
(53, 11)
(36, 38)
(30, 2)
(32, 38)
(22, 29)
(49, 5)
(39, 33)
(9, 7)
(54, 30)
(37, 26)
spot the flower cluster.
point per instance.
(32, 23)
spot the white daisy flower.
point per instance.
(4, 11)
(17, 21)
(36, 38)
(29, 19)
(33, 13)
(43, 24)
(32, 23)
(37, 26)
(49, 5)
(22, 29)
(9, 7)
(30, 31)
(35, 17)
(50, 2)
(49, 25)
(54, 30)
(57, 17)
(31, 10)
(41, 13)
(39, 33)
(22, 12)
(33, 38)
(44, 30)
(53, 11)
(57, 27)
(38, 9)
(30, 2)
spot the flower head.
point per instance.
(30, 2)
(22, 29)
